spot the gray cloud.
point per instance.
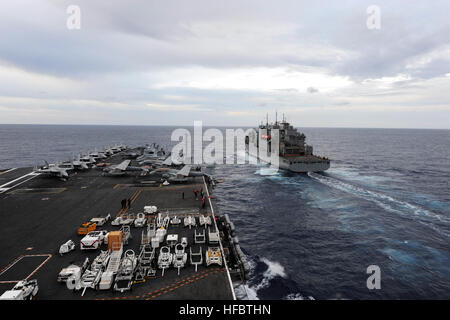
(151, 34)
(124, 51)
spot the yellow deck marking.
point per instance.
(38, 191)
(133, 198)
(188, 280)
(122, 211)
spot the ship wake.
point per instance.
(386, 202)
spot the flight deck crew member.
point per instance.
(182, 194)
(203, 202)
(196, 193)
(129, 203)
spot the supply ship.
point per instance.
(294, 154)
(87, 234)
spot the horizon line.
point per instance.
(220, 126)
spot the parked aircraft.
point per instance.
(54, 170)
(97, 155)
(88, 160)
(183, 172)
(152, 152)
(122, 169)
(77, 164)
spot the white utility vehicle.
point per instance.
(122, 220)
(100, 221)
(67, 247)
(141, 220)
(150, 209)
(213, 255)
(189, 221)
(175, 221)
(126, 234)
(204, 220)
(73, 270)
(165, 259)
(94, 239)
(184, 242)
(179, 257)
(23, 290)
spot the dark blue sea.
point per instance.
(385, 201)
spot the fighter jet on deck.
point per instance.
(175, 175)
(118, 148)
(75, 163)
(158, 162)
(54, 170)
(122, 169)
(97, 155)
(151, 153)
(79, 165)
(88, 160)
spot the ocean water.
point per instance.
(385, 201)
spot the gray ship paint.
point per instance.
(287, 148)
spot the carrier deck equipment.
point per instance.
(39, 213)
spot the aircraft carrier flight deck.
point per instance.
(39, 213)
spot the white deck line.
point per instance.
(12, 169)
(220, 241)
(17, 179)
(32, 174)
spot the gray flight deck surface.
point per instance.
(39, 213)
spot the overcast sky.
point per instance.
(226, 63)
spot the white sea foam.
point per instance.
(274, 269)
(247, 292)
(294, 296)
(386, 202)
(268, 171)
(353, 174)
(297, 296)
(244, 292)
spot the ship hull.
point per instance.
(317, 165)
(305, 167)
